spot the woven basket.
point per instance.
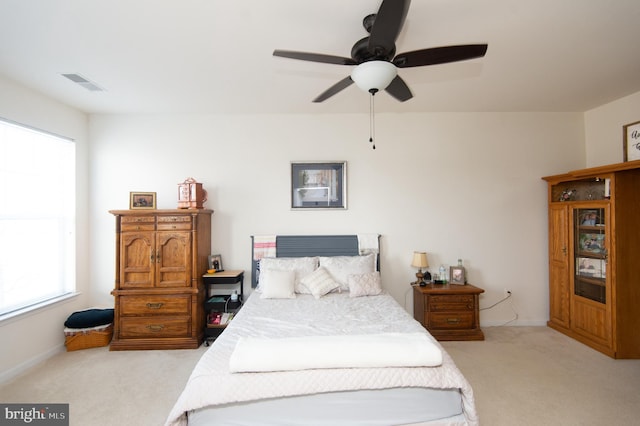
(88, 338)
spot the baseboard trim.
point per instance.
(514, 323)
(7, 376)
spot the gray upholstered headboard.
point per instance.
(310, 245)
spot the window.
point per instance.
(37, 217)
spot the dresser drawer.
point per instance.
(137, 223)
(155, 305)
(155, 326)
(170, 223)
(137, 227)
(451, 320)
(455, 302)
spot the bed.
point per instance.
(346, 354)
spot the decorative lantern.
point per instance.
(191, 194)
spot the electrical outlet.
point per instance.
(507, 292)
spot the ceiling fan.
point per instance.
(375, 56)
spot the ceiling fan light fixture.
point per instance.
(374, 75)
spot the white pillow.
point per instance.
(277, 284)
(340, 267)
(302, 266)
(365, 284)
(319, 282)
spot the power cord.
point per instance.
(515, 313)
(515, 318)
(498, 302)
(405, 297)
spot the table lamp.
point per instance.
(420, 261)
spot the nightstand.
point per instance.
(218, 302)
(448, 311)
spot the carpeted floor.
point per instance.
(520, 376)
(537, 376)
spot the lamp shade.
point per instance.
(374, 75)
(419, 260)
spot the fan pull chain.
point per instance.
(372, 120)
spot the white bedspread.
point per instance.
(212, 382)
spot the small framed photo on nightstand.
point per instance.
(215, 262)
(456, 275)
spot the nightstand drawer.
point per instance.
(446, 303)
(451, 320)
(155, 305)
(155, 326)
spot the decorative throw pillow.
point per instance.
(302, 266)
(365, 284)
(340, 267)
(319, 282)
(277, 284)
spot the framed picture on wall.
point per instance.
(142, 200)
(631, 142)
(319, 185)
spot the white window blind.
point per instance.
(37, 217)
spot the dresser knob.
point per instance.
(155, 327)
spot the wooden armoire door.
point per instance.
(173, 259)
(137, 259)
(559, 288)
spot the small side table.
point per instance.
(221, 303)
(449, 311)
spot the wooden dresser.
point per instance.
(161, 256)
(448, 311)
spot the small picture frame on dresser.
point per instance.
(456, 275)
(142, 200)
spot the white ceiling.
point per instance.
(214, 56)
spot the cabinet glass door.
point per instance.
(590, 253)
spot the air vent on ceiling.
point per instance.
(78, 79)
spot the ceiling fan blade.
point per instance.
(439, 55)
(341, 85)
(314, 57)
(387, 25)
(399, 89)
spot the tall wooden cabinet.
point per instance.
(594, 240)
(161, 256)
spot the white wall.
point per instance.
(458, 185)
(603, 127)
(29, 338)
(454, 184)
